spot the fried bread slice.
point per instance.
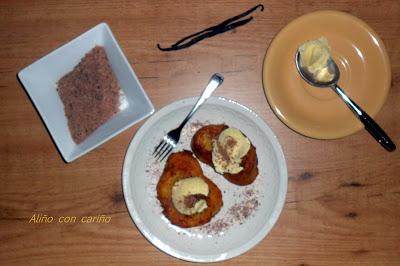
(182, 165)
(202, 146)
(202, 142)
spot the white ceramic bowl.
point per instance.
(40, 78)
(208, 243)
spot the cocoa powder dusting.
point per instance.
(223, 150)
(241, 211)
(191, 200)
(231, 142)
(216, 227)
(238, 213)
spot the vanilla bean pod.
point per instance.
(222, 27)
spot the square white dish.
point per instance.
(40, 82)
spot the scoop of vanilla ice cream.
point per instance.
(187, 187)
(314, 56)
(228, 151)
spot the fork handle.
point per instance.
(215, 81)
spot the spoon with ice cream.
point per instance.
(315, 66)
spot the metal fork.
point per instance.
(169, 141)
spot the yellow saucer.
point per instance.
(364, 75)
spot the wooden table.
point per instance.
(343, 200)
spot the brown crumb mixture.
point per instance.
(90, 94)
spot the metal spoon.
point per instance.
(370, 125)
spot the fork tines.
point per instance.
(165, 146)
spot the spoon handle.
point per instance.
(370, 125)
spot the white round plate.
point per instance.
(248, 213)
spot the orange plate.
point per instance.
(364, 75)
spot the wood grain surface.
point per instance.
(343, 200)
